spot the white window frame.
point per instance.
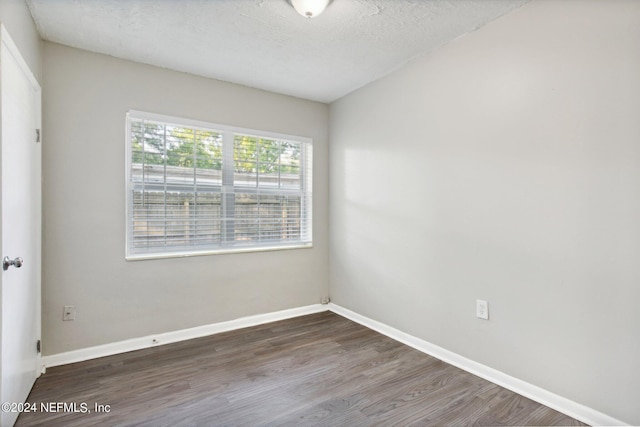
(228, 140)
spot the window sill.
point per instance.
(226, 251)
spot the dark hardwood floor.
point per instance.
(320, 370)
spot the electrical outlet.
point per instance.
(69, 312)
(482, 309)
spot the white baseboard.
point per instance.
(533, 392)
(175, 336)
(559, 403)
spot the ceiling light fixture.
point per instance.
(310, 8)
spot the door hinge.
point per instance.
(38, 347)
(37, 135)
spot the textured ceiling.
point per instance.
(264, 43)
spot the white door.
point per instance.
(20, 228)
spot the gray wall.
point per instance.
(86, 96)
(504, 166)
(15, 16)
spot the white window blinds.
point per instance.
(197, 188)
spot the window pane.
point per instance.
(175, 219)
(279, 218)
(268, 163)
(246, 218)
(180, 155)
(153, 143)
(179, 218)
(208, 158)
(290, 165)
(147, 152)
(208, 218)
(148, 219)
(245, 157)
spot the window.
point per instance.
(196, 188)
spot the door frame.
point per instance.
(6, 40)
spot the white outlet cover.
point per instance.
(482, 309)
(69, 313)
